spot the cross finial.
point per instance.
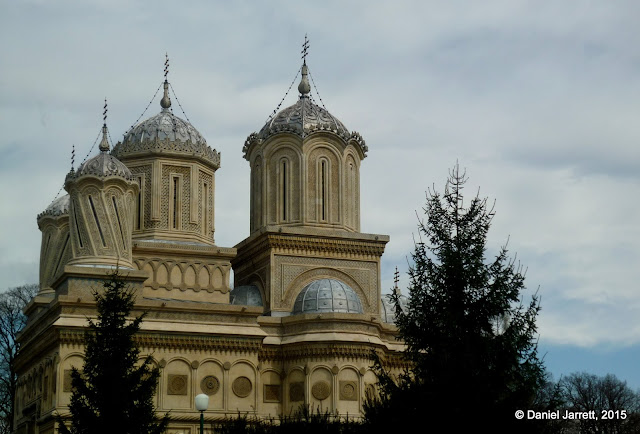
(73, 156)
(396, 279)
(166, 66)
(305, 49)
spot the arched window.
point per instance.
(283, 191)
(323, 188)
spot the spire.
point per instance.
(73, 156)
(165, 102)
(396, 279)
(304, 87)
(104, 144)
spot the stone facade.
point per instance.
(287, 334)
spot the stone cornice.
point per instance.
(301, 241)
(147, 247)
(176, 341)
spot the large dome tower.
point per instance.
(305, 212)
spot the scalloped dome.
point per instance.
(60, 206)
(165, 132)
(103, 165)
(303, 118)
(164, 125)
(327, 295)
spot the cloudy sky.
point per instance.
(537, 100)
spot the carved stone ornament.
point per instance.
(348, 391)
(241, 387)
(210, 385)
(177, 384)
(296, 392)
(321, 390)
(271, 393)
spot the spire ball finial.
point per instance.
(165, 102)
(304, 87)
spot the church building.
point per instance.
(304, 312)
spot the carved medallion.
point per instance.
(176, 384)
(210, 385)
(241, 387)
(271, 393)
(321, 390)
(296, 392)
(348, 391)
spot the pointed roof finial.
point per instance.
(73, 156)
(396, 279)
(304, 87)
(104, 144)
(165, 102)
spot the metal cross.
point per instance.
(305, 48)
(396, 278)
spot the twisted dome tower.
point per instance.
(55, 250)
(102, 193)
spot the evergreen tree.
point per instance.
(113, 393)
(471, 343)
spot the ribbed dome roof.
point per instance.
(103, 164)
(327, 295)
(165, 132)
(303, 118)
(60, 206)
(164, 125)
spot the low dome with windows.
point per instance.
(327, 295)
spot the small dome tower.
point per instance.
(175, 169)
(55, 250)
(102, 193)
